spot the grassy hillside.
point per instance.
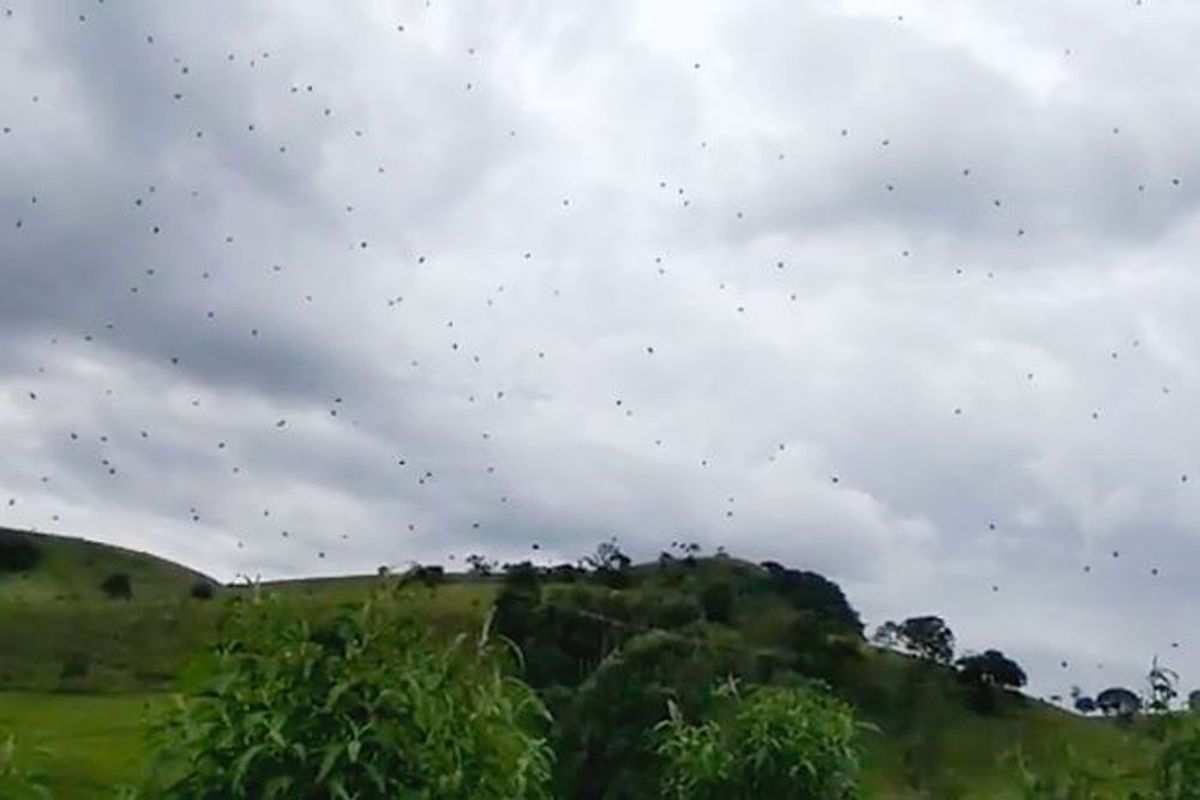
(71, 570)
(78, 670)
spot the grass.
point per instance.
(92, 743)
(79, 671)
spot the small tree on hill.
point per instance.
(203, 590)
(927, 637)
(481, 566)
(1119, 702)
(1163, 688)
(117, 586)
(987, 672)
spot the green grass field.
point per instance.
(79, 672)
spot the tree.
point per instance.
(986, 672)
(926, 637)
(430, 575)
(365, 706)
(481, 566)
(1085, 704)
(117, 586)
(607, 725)
(992, 668)
(1163, 688)
(203, 589)
(1119, 702)
(808, 591)
(1193, 701)
(775, 741)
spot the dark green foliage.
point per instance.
(927, 637)
(808, 591)
(606, 728)
(1119, 702)
(1177, 773)
(17, 553)
(986, 672)
(75, 665)
(430, 575)
(117, 586)
(821, 648)
(610, 566)
(362, 707)
(203, 590)
(773, 742)
(480, 565)
(517, 603)
(717, 601)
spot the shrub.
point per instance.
(775, 742)
(607, 729)
(18, 554)
(365, 706)
(203, 590)
(117, 586)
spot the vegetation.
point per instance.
(363, 706)
(775, 742)
(624, 658)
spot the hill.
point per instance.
(60, 633)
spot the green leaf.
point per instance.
(331, 755)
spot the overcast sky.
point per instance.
(901, 292)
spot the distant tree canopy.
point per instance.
(203, 589)
(480, 565)
(18, 553)
(808, 591)
(991, 668)
(118, 586)
(429, 575)
(928, 637)
(1117, 701)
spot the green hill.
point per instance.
(71, 570)
(79, 668)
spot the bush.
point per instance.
(117, 586)
(18, 554)
(203, 590)
(775, 742)
(365, 706)
(607, 727)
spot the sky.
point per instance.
(900, 292)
